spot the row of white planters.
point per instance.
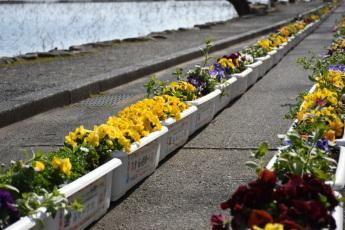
(114, 179)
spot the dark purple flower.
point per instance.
(7, 205)
(323, 144)
(199, 84)
(235, 55)
(337, 67)
(321, 102)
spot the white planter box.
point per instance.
(274, 57)
(283, 49)
(93, 189)
(298, 37)
(309, 28)
(178, 132)
(291, 42)
(266, 65)
(242, 81)
(206, 110)
(228, 90)
(339, 181)
(139, 163)
(256, 67)
(338, 214)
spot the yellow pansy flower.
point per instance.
(39, 166)
(224, 62)
(265, 43)
(92, 139)
(64, 165)
(270, 226)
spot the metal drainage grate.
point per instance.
(104, 100)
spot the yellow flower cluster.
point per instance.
(334, 78)
(300, 25)
(338, 44)
(314, 17)
(277, 39)
(265, 43)
(291, 29)
(78, 134)
(64, 165)
(184, 90)
(320, 97)
(270, 226)
(130, 124)
(322, 103)
(227, 63)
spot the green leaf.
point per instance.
(9, 187)
(252, 164)
(262, 150)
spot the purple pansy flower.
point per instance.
(199, 84)
(337, 67)
(217, 72)
(323, 144)
(7, 205)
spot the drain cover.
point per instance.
(104, 100)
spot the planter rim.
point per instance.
(263, 58)
(27, 222)
(148, 139)
(254, 64)
(205, 98)
(291, 38)
(282, 46)
(68, 190)
(90, 177)
(243, 73)
(272, 52)
(184, 114)
(226, 83)
(340, 172)
(338, 213)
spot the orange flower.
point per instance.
(259, 218)
(330, 135)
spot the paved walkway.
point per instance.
(22, 84)
(185, 191)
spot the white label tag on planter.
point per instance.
(142, 162)
(178, 134)
(93, 198)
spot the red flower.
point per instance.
(259, 218)
(218, 222)
(268, 177)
